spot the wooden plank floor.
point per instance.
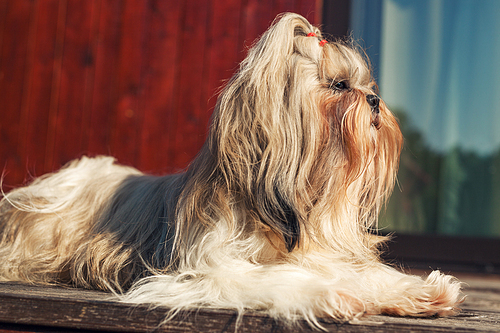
(28, 308)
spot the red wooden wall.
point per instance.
(135, 79)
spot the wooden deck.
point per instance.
(29, 308)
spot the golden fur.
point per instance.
(273, 214)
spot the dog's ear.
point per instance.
(289, 224)
(278, 213)
(264, 130)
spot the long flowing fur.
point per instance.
(274, 213)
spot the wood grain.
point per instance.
(59, 307)
(134, 79)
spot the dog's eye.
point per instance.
(340, 85)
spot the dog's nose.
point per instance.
(373, 100)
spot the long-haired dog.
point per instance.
(275, 213)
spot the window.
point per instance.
(438, 68)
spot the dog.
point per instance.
(277, 212)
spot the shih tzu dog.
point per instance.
(276, 213)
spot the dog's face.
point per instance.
(300, 138)
(360, 122)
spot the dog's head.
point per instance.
(300, 137)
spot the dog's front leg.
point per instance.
(396, 293)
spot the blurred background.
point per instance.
(138, 80)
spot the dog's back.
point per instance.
(90, 224)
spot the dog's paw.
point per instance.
(438, 295)
(343, 306)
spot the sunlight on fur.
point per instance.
(275, 213)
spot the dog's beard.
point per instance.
(370, 143)
(352, 169)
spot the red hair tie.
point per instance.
(322, 43)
